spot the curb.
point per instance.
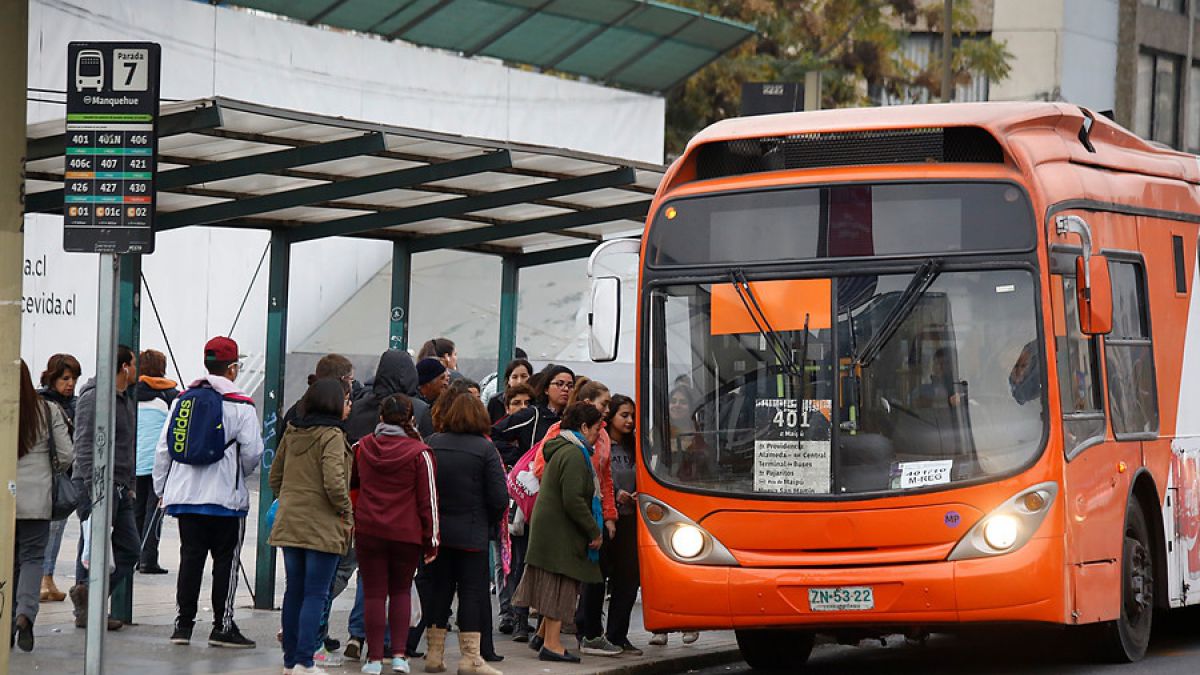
(676, 664)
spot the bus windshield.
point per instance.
(952, 394)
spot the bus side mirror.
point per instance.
(604, 319)
(1093, 293)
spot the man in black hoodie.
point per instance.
(396, 374)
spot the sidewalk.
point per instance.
(143, 648)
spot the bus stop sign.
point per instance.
(112, 147)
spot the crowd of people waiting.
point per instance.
(429, 492)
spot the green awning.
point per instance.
(639, 44)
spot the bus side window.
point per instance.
(1079, 379)
(1132, 391)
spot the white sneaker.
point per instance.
(400, 664)
(309, 670)
(372, 667)
(327, 659)
(690, 636)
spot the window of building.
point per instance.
(1178, 6)
(1156, 111)
(921, 49)
(1132, 391)
(1193, 110)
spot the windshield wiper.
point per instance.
(924, 277)
(749, 300)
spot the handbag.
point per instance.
(64, 492)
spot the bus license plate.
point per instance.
(844, 598)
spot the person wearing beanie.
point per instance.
(432, 379)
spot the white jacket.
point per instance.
(220, 486)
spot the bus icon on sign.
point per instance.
(89, 70)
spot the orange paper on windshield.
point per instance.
(785, 304)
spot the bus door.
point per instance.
(1095, 489)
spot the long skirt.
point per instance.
(553, 595)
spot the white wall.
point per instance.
(200, 275)
(1062, 50)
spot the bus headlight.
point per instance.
(680, 538)
(687, 541)
(1009, 526)
(1000, 531)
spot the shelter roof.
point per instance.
(640, 44)
(236, 164)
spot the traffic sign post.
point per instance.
(109, 200)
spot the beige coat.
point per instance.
(311, 476)
(33, 470)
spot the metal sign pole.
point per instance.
(102, 463)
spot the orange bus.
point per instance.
(906, 369)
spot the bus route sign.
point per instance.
(111, 147)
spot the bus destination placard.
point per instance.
(111, 147)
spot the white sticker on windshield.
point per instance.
(791, 446)
(921, 474)
(1006, 288)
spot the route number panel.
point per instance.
(111, 147)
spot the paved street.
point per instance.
(143, 648)
(1174, 651)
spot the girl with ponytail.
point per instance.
(396, 520)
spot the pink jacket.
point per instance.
(601, 460)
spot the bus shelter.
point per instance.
(303, 177)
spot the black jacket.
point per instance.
(125, 440)
(496, 408)
(471, 490)
(396, 374)
(525, 427)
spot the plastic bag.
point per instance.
(87, 548)
(415, 600)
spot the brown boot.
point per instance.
(50, 592)
(472, 662)
(79, 598)
(435, 650)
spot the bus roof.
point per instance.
(1115, 147)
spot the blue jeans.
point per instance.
(309, 574)
(57, 528)
(358, 623)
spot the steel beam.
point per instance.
(555, 255)
(401, 294)
(273, 409)
(482, 235)
(272, 162)
(510, 276)
(452, 207)
(129, 333)
(187, 121)
(403, 178)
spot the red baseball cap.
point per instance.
(221, 349)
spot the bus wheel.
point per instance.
(775, 649)
(1126, 639)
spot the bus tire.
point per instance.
(775, 649)
(1126, 639)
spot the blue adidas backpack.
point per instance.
(196, 431)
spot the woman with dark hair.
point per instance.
(473, 495)
(58, 381)
(518, 371)
(155, 393)
(522, 430)
(619, 554)
(443, 350)
(41, 430)
(565, 531)
(397, 525)
(311, 476)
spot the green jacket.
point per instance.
(562, 522)
(311, 476)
